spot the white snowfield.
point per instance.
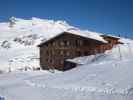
(107, 76)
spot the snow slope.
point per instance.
(107, 78)
(19, 39)
(18, 43)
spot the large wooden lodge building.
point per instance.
(55, 51)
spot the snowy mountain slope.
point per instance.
(18, 42)
(19, 39)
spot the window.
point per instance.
(65, 43)
(47, 60)
(62, 43)
(53, 52)
(68, 43)
(50, 60)
(68, 53)
(79, 43)
(76, 43)
(54, 43)
(62, 62)
(109, 41)
(49, 44)
(61, 52)
(47, 53)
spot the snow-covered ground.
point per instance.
(105, 76)
(110, 80)
(102, 77)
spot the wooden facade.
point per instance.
(55, 51)
(112, 41)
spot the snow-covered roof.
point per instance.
(85, 34)
(109, 35)
(88, 34)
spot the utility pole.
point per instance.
(119, 50)
(10, 62)
(130, 50)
